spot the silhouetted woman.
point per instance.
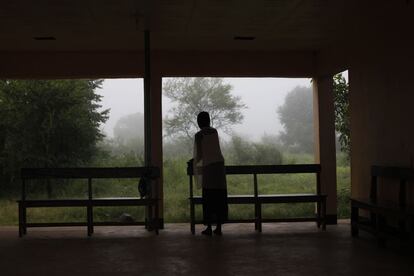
(210, 174)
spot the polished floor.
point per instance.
(282, 249)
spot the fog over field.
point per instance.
(262, 96)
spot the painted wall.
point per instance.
(382, 113)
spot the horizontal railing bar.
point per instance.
(268, 169)
(233, 221)
(393, 172)
(85, 173)
(116, 223)
(56, 224)
(303, 219)
(70, 224)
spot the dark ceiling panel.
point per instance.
(102, 25)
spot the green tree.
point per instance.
(341, 96)
(296, 116)
(192, 95)
(128, 140)
(49, 123)
(129, 127)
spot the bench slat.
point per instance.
(122, 201)
(231, 199)
(393, 172)
(54, 202)
(267, 169)
(290, 198)
(70, 224)
(302, 219)
(56, 224)
(279, 198)
(85, 173)
(274, 169)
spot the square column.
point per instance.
(153, 127)
(325, 148)
(156, 139)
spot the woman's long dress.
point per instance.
(210, 175)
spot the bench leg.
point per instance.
(20, 220)
(156, 220)
(192, 217)
(256, 216)
(354, 221)
(259, 211)
(402, 231)
(149, 220)
(379, 226)
(318, 214)
(24, 220)
(324, 215)
(89, 217)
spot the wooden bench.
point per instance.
(28, 174)
(381, 213)
(257, 200)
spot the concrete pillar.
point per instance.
(156, 137)
(153, 125)
(324, 131)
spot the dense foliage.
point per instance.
(341, 96)
(239, 151)
(48, 123)
(128, 139)
(296, 116)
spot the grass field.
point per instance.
(176, 191)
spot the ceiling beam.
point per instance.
(49, 65)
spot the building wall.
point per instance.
(382, 112)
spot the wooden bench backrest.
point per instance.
(86, 173)
(265, 169)
(402, 174)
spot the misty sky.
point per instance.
(261, 95)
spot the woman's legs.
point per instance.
(215, 210)
(207, 212)
(217, 231)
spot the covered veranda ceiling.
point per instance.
(96, 25)
(104, 38)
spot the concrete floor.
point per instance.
(282, 249)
